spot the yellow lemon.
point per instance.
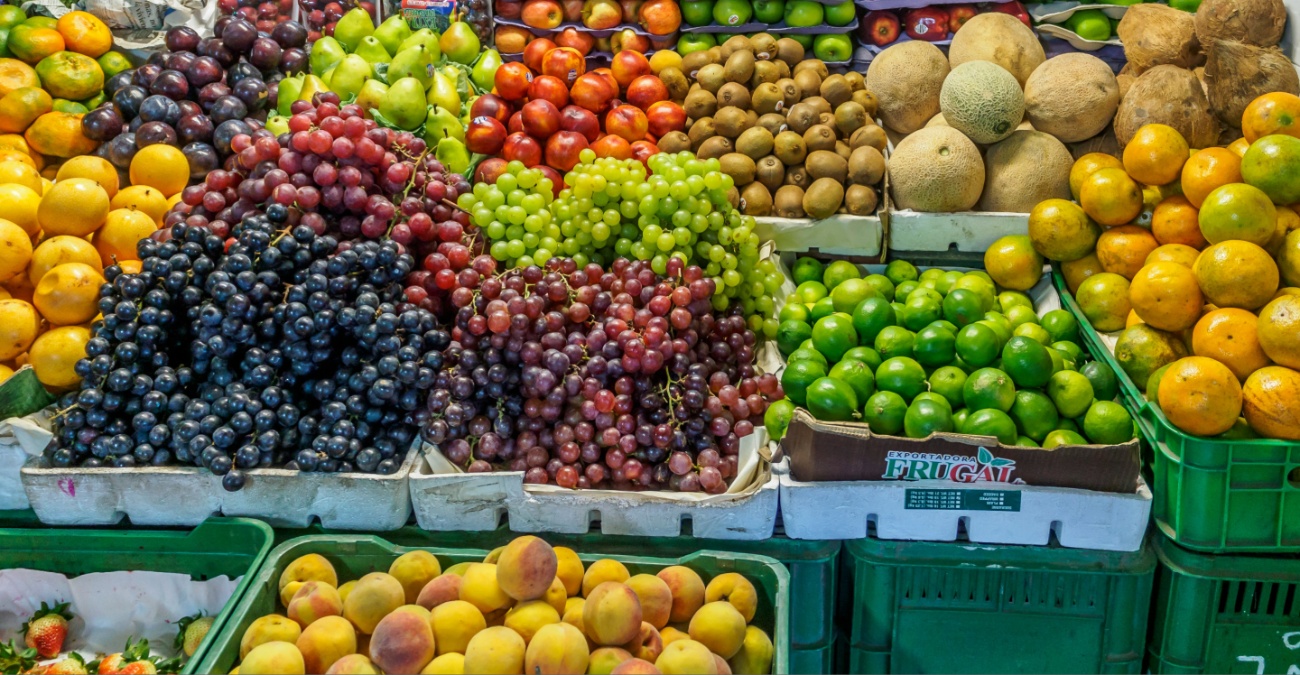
(121, 232)
(68, 294)
(142, 198)
(160, 166)
(76, 206)
(15, 250)
(18, 205)
(58, 250)
(95, 168)
(12, 171)
(55, 353)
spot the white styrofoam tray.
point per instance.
(967, 231)
(840, 234)
(186, 496)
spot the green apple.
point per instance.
(732, 12)
(1185, 5)
(770, 11)
(805, 40)
(695, 42)
(803, 13)
(1090, 24)
(841, 14)
(833, 48)
(723, 37)
(697, 12)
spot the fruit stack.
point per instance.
(880, 28)
(825, 29)
(322, 17)
(595, 28)
(265, 14)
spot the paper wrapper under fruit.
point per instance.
(21, 437)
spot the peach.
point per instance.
(556, 648)
(352, 664)
(447, 664)
(288, 591)
(688, 591)
(274, 658)
(528, 617)
(310, 567)
(413, 570)
(535, 50)
(495, 650)
(403, 641)
(480, 588)
(345, 589)
(719, 627)
(325, 641)
(555, 595)
(527, 565)
(612, 614)
(454, 623)
(269, 628)
(686, 657)
(601, 571)
(314, 600)
(458, 569)
(573, 605)
(735, 589)
(569, 567)
(603, 661)
(627, 121)
(721, 664)
(755, 655)
(656, 599)
(670, 635)
(647, 644)
(375, 596)
(494, 555)
(444, 588)
(635, 667)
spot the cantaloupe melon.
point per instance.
(1026, 168)
(906, 79)
(982, 100)
(1000, 38)
(1072, 96)
(937, 170)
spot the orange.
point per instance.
(1087, 165)
(1230, 336)
(162, 167)
(68, 294)
(20, 107)
(1110, 197)
(31, 43)
(1208, 169)
(1200, 396)
(15, 74)
(1013, 263)
(70, 75)
(1238, 211)
(1275, 113)
(142, 198)
(1288, 221)
(97, 169)
(1279, 330)
(76, 206)
(1239, 147)
(1236, 274)
(1174, 221)
(55, 353)
(1174, 253)
(123, 229)
(1133, 319)
(1271, 402)
(85, 34)
(1165, 295)
(56, 251)
(1075, 271)
(1123, 250)
(1104, 300)
(21, 288)
(59, 134)
(21, 173)
(1156, 154)
(1060, 230)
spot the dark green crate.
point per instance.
(957, 607)
(233, 547)
(1224, 613)
(356, 555)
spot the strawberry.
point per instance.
(47, 629)
(139, 668)
(192, 631)
(113, 663)
(72, 665)
(109, 664)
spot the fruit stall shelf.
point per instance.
(356, 555)
(1211, 494)
(949, 238)
(962, 607)
(1224, 613)
(233, 547)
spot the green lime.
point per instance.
(1059, 361)
(882, 284)
(1033, 331)
(1069, 350)
(807, 269)
(808, 353)
(931, 273)
(948, 382)
(902, 376)
(1061, 325)
(944, 324)
(898, 312)
(1026, 442)
(1153, 384)
(1063, 437)
(918, 312)
(113, 63)
(901, 291)
(833, 335)
(1018, 315)
(982, 287)
(1105, 387)
(899, 271)
(839, 271)
(923, 292)
(946, 281)
(894, 341)
(963, 306)
(11, 15)
(977, 345)
(925, 417)
(989, 388)
(1107, 423)
(777, 418)
(849, 293)
(811, 291)
(821, 309)
(1067, 424)
(1071, 392)
(931, 396)
(858, 375)
(797, 376)
(1009, 299)
(832, 399)
(990, 422)
(934, 347)
(959, 420)
(1027, 362)
(794, 311)
(1035, 414)
(1240, 431)
(931, 284)
(870, 317)
(1001, 331)
(790, 334)
(4, 41)
(982, 275)
(866, 355)
(884, 413)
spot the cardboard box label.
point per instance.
(961, 500)
(984, 467)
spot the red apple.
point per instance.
(534, 51)
(879, 28)
(489, 170)
(647, 90)
(610, 145)
(573, 9)
(491, 105)
(508, 9)
(958, 15)
(542, 14)
(562, 149)
(927, 23)
(627, 121)
(629, 40)
(485, 135)
(665, 116)
(642, 150)
(570, 37)
(1014, 8)
(601, 14)
(557, 181)
(522, 147)
(628, 65)
(512, 80)
(631, 9)
(593, 92)
(564, 63)
(516, 122)
(549, 88)
(541, 118)
(660, 17)
(581, 120)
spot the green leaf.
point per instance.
(1002, 462)
(474, 160)
(23, 394)
(985, 456)
(381, 72)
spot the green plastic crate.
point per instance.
(1224, 613)
(233, 547)
(1211, 494)
(929, 607)
(356, 555)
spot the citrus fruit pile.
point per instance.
(1193, 258)
(916, 352)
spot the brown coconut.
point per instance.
(1159, 34)
(1167, 95)
(906, 79)
(1237, 73)
(1103, 142)
(999, 38)
(1072, 96)
(1023, 169)
(1256, 22)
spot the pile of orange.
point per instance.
(1193, 257)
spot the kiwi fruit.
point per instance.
(788, 202)
(715, 147)
(733, 197)
(870, 134)
(770, 172)
(715, 55)
(740, 66)
(797, 175)
(740, 167)
(826, 164)
(808, 82)
(735, 95)
(711, 77)
(868, 102)
(783, 68)
(764, 71)
(801, 117)
(773, 122)
(860, 200)
(700, 103)
(816, 65)
(819, 104)
(702, 130)
(789, 147)
(752, 117)
(819, 137)
(856, 81)
(789, 50)
(755, 142)
(767, 98)
(849, 117)
(731, 121)
(843, 150)
(866, 166)
(823, 198)
(674, 141)
(693, 62)
(675, 80)
(756, 200)
(827, 119)
(764, 46)
(736, 43)
(835, 89)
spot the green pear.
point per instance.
(459, 43)
(425, 37)
(485, 69)
(453, 155)
(350, 75)
(411, 62)
(372, 51)
(442, 93)
(325, 54)
(311, 85)
(287, 93)
(277, 124)
(328, 76)
(354, 25)
(442, 123)
(392, 32)
(404, 104)
(371, 94)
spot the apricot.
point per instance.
(496, 650)
(656, 599)
(601, 571)
(413, 570)
(448, 664)
(315, 599)
(269, 628)
(374, 597)
(290, 589)
(325, 641)
(755, 655)
(479, 587)
(345, 589)
(686, 657)
(735, 589)
(721, 664)
(556, 596)
(310, 567)
(603, 661)
(635, 667)
(494, 555)
(612, 614)
(458, 569)
(444, 588)
(353, 664)
(526, 568)
(528, 617)
(569, 569)
(573, 603)
(688, 592)
(555, 649)
(647, 644)
(454, 623)
(403, 642)
(720, 627)
(274, 658)
(670, 635)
